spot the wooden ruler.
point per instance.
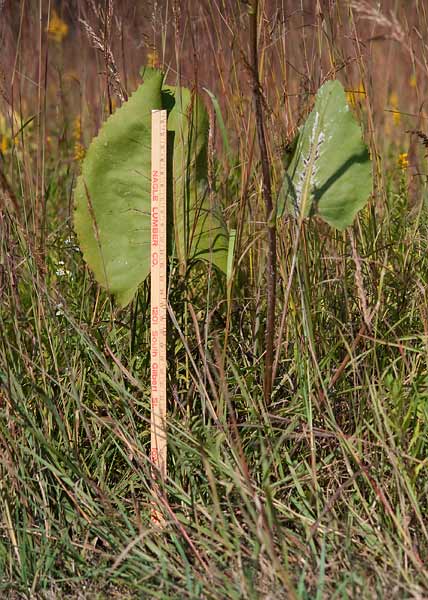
(158, 452)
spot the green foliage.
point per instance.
(330, 172)
(112, 196)
(318, 492)
(199, 232)
(112, 216)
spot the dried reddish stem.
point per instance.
(271, 267)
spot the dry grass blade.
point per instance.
(373, 14)
(3, 87)
(8, 199)
(100, 41)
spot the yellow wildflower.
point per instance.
(361, 89)
(4, 144)
(350, 97)
(353, 96)
(412, 81)
(153, 59)
(79, 151)
(393, 101)
(403, 160)
(9, 135)
(57, 29)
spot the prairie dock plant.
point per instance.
(322, 492)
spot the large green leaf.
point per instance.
(112, 196)
(200, 233)
(330, 172)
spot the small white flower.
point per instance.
(61, 271)
(70, 242)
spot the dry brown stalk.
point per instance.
(271, 268)
(101, 41)
(367, 316)
(8, 199)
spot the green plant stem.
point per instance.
(271, 268)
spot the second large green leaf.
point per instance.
(330, 172)
(199, 230)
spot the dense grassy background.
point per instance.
(321, 494)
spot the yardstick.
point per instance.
(158, 297)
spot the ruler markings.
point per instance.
(158, 362)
